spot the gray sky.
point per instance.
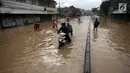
(84, 4)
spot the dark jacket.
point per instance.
(70, 27)
(96, 24)
(64, 29)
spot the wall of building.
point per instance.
(47, 3)
(124, 17)
(20, 13)
(24, 8)
(34, 2)
(11, 20)
(51, 3)
(17, 20)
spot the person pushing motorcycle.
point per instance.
(70, 28)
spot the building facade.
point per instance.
(114, 11)
(46, 3)
(20, 12)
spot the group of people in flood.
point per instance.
(65, 31)
(65, 28)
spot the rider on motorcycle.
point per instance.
(65, 30)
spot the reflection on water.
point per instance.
(110, 48)
(95, 35)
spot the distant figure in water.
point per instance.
(79, 20)
(36, 26)
(68, 19)
(54, 23)
(96, 24)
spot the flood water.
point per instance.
(23, 50)
(110, 50)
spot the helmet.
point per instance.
(68, 23)
(63, 24)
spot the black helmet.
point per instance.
(68, 23)
(63, 24)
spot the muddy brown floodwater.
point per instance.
(23, 50)
(111, 47)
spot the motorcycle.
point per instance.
(62, 39)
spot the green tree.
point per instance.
(94, 10)
(104, 7)
(75, 11)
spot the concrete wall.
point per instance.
(34, 2)
(23, 8)
(11, 20)
(125, 17)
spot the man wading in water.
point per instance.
(96, 24)
(54, 23)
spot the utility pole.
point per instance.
(59, 9)
(60, 5)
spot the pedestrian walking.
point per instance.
(54, 24)
(36, 26)
(79, 20)
(70, 28)
(96, 24)
(68, 19)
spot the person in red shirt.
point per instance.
(54, 22)
(36, 26)
(79, 20)
(68, 19)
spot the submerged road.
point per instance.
(110, 51)
(23, 50)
